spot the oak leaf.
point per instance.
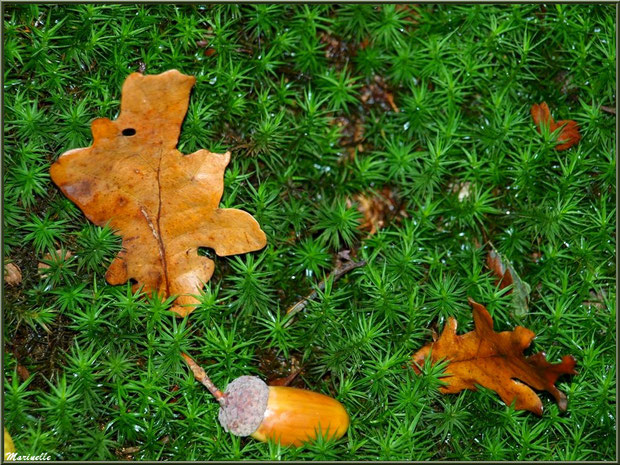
(495, 361)
(164, 204)
(569, 134)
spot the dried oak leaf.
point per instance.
(496, 361)
(164, 204)
(569, 134)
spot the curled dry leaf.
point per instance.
(12, 274)
(162, 203)
(569, 134)
(506, 275)
(285, 380)
(292, 367)
(279, 370)
(496, 361)
(378, 209)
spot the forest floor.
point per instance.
(399, 135)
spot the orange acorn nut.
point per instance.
(289, 415)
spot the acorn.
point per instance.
(289, 415)
(292, 416)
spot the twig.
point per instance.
(336, 273)
(201, 376)
(607, 109)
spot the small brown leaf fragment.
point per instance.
(378, 93)
(279, 370)
(506, 276)
(284, 381)
(12, 274)
(610, 110)
(162, 203)
(130, 450)
(569, 134)
(338, 51)
(496, 361)
(378, 209)
(23, 372)
(56, 257)
(496, 265)
(390, 98)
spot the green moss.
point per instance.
(300, 95)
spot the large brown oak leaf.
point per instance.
(164, 204)
(496, 361)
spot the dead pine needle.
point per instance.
(335, 274)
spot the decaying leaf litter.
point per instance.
(165, 206)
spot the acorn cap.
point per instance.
(244, 406)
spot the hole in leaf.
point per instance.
(207, 252)
(129, 132)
